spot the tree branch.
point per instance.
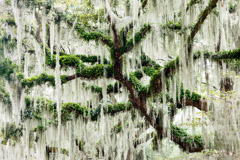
(137, 39)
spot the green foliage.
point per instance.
(149, 71)
(232, 7)
(138, 74)
(7, 68)
(137, 84)
(10, 131)
(68, 109)
(39, 3)
(10, 21)
(117, 128)
(172, 25)
(40, 128)
(232, 54)
(147, 62)
(4, 96)
(77, 109)
(118, 107)
(38, 80)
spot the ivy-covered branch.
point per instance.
(201, 18)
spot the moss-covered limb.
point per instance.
(136, 39)
(91, 35)
(68, 109)
(186, 142)
(191, 3)
(201, 18)
(72, 60)
(11, 131)
(156, 80)
(231, 55)
(7, 68)
(93, 72)
(38, 80)
(188, 98)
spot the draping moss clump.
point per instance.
(181, 134)
(11, 131)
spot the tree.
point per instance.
(120, 40)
